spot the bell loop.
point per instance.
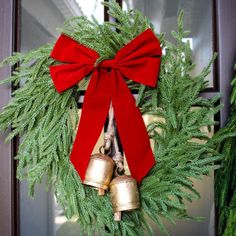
(119, 171)
(103, 147)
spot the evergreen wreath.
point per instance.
(46, 122)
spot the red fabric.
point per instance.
(139, 61)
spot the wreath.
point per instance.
(46, 121)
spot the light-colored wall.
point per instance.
(40, 18)
(36, 215)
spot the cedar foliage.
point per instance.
(225, 181)
(42, 118)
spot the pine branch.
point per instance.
(225, 181)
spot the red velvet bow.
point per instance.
(139, 61)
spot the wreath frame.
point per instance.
(42, 118)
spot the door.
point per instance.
(23, 27)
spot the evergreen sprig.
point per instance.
(225, 181)
(46, 122)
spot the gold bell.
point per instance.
(99, 172)
(124, 195)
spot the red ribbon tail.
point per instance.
(133, 133)
(93, 117)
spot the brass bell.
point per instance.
(124, 195)
(99, 172)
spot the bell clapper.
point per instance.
(117, 216)
(101, 192)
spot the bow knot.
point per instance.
(108, 64)
(139, 61)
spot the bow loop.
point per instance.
(139, 60)
(77, 60)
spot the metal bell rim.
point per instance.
(95, 184)
(126, 207)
